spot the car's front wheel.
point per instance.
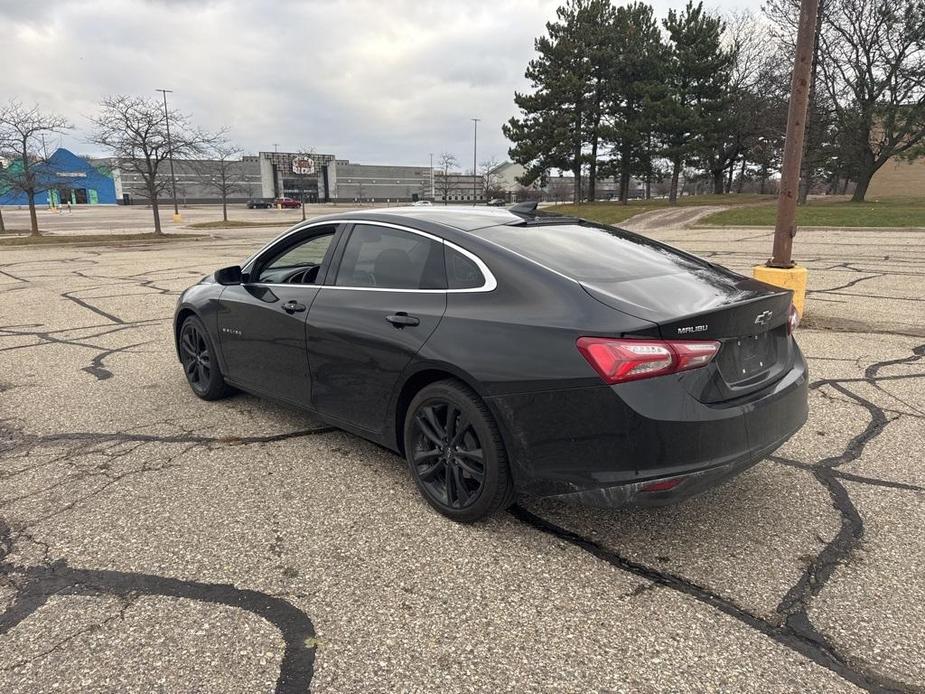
(199, 362)
(456, 454)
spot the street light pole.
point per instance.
(173, 176)
(432, 193)
(475, 169)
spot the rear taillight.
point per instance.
(618, 361)
(793, 319)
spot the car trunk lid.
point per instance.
(747, 317)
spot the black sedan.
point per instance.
(502, 351)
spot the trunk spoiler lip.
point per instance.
(771, 293)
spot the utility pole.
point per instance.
(475, 168)
(785, 229)
(173, 176)
(780, 269)
(275, 147)
(432, 192)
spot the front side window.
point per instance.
(298, 264)
(386, 258)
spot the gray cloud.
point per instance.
(372, 81)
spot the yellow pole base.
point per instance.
(177, 218)
(789, 278)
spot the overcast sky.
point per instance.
(378, 81)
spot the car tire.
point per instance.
(463, 474)
(200, 365)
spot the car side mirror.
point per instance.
(229, 275)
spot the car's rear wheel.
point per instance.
(199, 363)
(456, 454)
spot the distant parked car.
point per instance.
(497, 202)
(259, 203)
(287, 203)
(422, 203)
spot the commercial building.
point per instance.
(64, 178)
(192, 178)
(458, 187)
(378, 183)
(898, 178)
(303, 176)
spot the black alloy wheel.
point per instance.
(198, 359)
(455, 453)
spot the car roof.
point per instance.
(461, 218)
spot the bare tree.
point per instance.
(24, 129)
(873, 68)
(871, 72)
(134, 130)
(444, 184)
(559, 188)
(489, 171)
(4, 170)
(222, 170)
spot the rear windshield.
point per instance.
(588, 253)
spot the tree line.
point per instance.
(617, 91)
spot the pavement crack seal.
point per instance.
(821, 653)
(36, 584)
(97, 367)
(795, 631)
(98, 437)
(87, 305)
(846, 285)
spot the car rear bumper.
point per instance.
(688, 485)
(604, 445)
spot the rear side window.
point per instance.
(386, 258)
(587, 253)
(462, 272)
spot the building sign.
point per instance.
(303, 166)
(71, 174)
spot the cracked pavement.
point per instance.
(150, 541)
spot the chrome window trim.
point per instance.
(490, 282)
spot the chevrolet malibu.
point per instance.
(505, 351)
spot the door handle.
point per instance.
(402, 319)
(293, 307)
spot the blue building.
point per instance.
(68, 178)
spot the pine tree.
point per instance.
(561, 118)
(636, 90)
(692, 119)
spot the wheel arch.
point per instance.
(182, 314)
(425, 374)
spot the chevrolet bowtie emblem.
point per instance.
(763, 318)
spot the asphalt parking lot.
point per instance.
(153, 542)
